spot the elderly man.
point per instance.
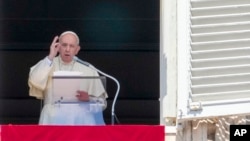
(61, 58)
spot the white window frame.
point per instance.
(187, 109)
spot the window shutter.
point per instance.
(219, 69)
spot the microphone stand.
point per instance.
(113, 116)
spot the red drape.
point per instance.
(82, 133)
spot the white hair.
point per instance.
(72, 33)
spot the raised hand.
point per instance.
(54, 48)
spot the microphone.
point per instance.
(113, 116)
(81, 61)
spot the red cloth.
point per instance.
(82, 133)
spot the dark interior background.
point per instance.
(119, 37)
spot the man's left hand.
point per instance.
(82, 96)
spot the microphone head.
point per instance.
(81, 61)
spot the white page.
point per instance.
(66, 84)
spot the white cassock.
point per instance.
(80, 113)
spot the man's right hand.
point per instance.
(54, 48)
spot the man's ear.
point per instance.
(77, 50)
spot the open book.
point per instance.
(66, 84)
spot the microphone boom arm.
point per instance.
(116, 95)
(109, 76)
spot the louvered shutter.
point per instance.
(218, 58)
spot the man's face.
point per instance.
(68, 47)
